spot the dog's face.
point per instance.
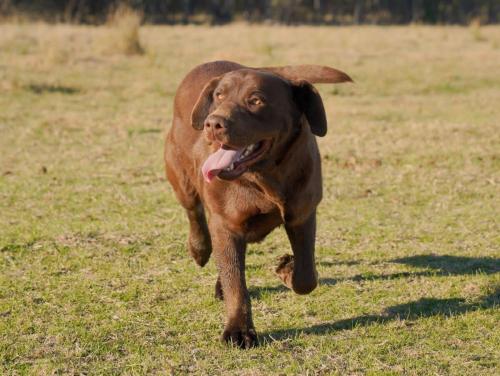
(249, 115)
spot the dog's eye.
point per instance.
(254, 101)
(219, 95)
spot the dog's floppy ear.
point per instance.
(202, 106)
(315, 74)
(309, 103)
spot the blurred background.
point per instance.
(279, 11)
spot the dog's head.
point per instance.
(249, 114)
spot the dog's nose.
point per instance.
(216, 123)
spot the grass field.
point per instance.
(94, 273)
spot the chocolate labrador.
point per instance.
(242, 150)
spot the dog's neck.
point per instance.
(274, 180)
(289, 146)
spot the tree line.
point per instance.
(279, 11)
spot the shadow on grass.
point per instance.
(424, 307)
(444, 265)
(439, 266)
(47, 88)
(453, 264)
(257, 292)
(335, 263)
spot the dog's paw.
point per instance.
(240, 337)
(199, 250)
(284, 270)
(219, 295)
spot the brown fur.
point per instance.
(283, 187)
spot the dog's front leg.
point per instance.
(229, 253)
(298, 272)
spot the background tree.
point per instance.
(282, 11)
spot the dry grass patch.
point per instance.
(124, 23)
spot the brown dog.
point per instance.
(242, 149)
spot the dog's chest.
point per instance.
(259, 226)
(251, 213)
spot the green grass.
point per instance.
(94, 273)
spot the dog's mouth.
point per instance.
(228, 163)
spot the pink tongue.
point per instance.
(218, 161)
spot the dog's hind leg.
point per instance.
(199, 243)
(298, 272)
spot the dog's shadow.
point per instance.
(453, 265)
(440, 265)
(411, 311)
(257, 292)
(435, 265)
